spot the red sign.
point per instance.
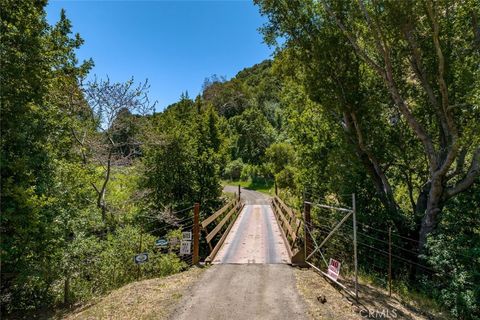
(333, 269)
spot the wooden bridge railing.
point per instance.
(228, 214)
(291, 227)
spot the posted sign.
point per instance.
(161, 242)
(333, 269)
(185, 247)
(187, 235)
(141, 258)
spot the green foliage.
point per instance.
(233, 169)
(100, 266)
(371, 101)
(253, 135)
(228, 98)
(35, 146)
(279, 155)
(455, 255)
(286, 178)
(183, 165)
(169, 172)
(319, 119)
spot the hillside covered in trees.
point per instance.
(376, 98)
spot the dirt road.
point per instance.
(250, 278)
(249, 196)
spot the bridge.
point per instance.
(250, 276)
(250, 246)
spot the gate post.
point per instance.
(196, 233)
(239, 192)
(354, 209)
(307, 226)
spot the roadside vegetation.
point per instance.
(376, 98)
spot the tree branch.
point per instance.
(420, 73)
(468, 180)
(386, 73)
(460, 163)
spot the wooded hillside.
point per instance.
(376, 98)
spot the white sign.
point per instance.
(187, 235)
(333, 269)
(185, 247)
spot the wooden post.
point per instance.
(140, 251)
(196, 233)
(66, 290)
(239, 192)
(354, 208)
(276, 188)
(390, 261)
(307, 226)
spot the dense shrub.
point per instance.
(454, 254)
(107, 264)
(233, 170)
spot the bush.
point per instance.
(233, 170)
(286, 178)
(101, 266)
(454, 251)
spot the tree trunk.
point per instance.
(370, 163)
(101, 203)
(434, 207)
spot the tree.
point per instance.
(423, 55)
(280, 155)
(228, 98)
(110, 143)
(169, 165)
(433, 68)
(253, 135)
(35, 144)
(210, 155)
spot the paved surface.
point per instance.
(255, 238)
(250, 279)
(251, 291)
(249, 196)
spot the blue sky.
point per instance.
(175, 44)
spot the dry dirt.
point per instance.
(148, 299)
(374, 303)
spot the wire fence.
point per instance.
(174, 236)
(383, 254)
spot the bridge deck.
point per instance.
(254, 238)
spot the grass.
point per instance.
(421, 302)
(263, 185)
(147, 299)
(372, 298)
